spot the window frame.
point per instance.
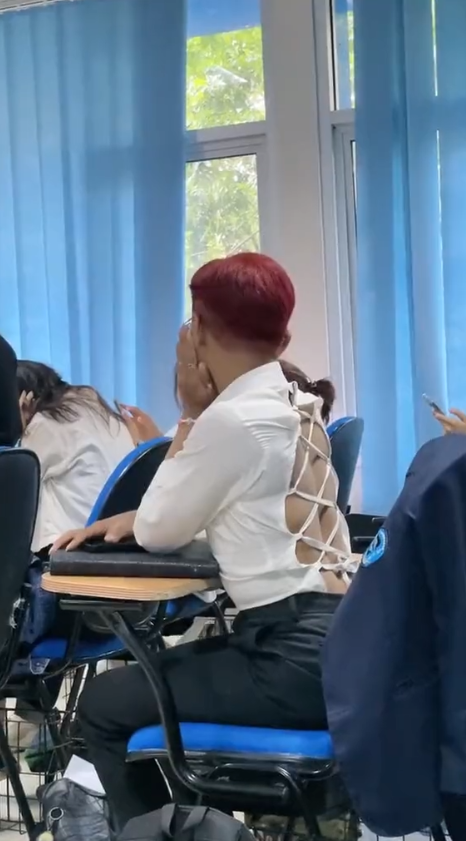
(337, 134)
(231, 142)
(305, 120)
(237, 140)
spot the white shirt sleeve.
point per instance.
(43, 437)
(219, 460)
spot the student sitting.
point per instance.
(253, 471)
(79, 441)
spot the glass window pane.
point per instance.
(343, 53)
(225, 73)
(222, 210)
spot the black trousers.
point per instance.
(265, 674)
(454, 810)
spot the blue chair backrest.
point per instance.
(345, 437)
(125, 488)
(19, 486)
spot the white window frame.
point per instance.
(236, 141)
(337, 134)
(305, 190)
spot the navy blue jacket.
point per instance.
(394, 662)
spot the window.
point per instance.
(222, 211)
(225, 114)
(225, 74)
(343, 53)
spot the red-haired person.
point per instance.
(253, 471)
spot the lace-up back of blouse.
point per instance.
(311, 509)
(255, 473)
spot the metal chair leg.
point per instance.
(70, 709)
(53, 721)
(220, 618)
(437, 833)
(290, 825)
(12, 770)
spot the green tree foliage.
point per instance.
(225, 79)
(222, 209)
(225, 86)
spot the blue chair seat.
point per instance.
(186, 608)
(55, 649)
(232, 740)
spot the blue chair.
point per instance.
(20, 475)
(345, 437)
(125, 488)
(250, 769)
(123, 491)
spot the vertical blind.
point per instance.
(92, 192)
(411, 187)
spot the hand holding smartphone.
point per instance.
(433, 405)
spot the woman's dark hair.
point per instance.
(321, 388)
(54, 397)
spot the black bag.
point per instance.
(73, 813)
(185, 823)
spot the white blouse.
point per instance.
(76, 459)
(232, 478)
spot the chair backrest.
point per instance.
(19, 496)
(345, 436)
(125, 488)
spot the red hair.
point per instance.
(248, 296)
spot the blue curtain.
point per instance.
(92, 192)
(411, 211)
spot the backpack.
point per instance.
(185, 823)
(73, 813)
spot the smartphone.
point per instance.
(433, 405)
(120, 409)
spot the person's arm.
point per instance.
(208, 465)
(10, 417)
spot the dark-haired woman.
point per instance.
(79, 441)
(322, 390)
(254, 471)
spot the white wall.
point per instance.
(293, 232)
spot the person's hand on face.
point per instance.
(139, 424)
(454, 422)
(195, 387)
(26, 407)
